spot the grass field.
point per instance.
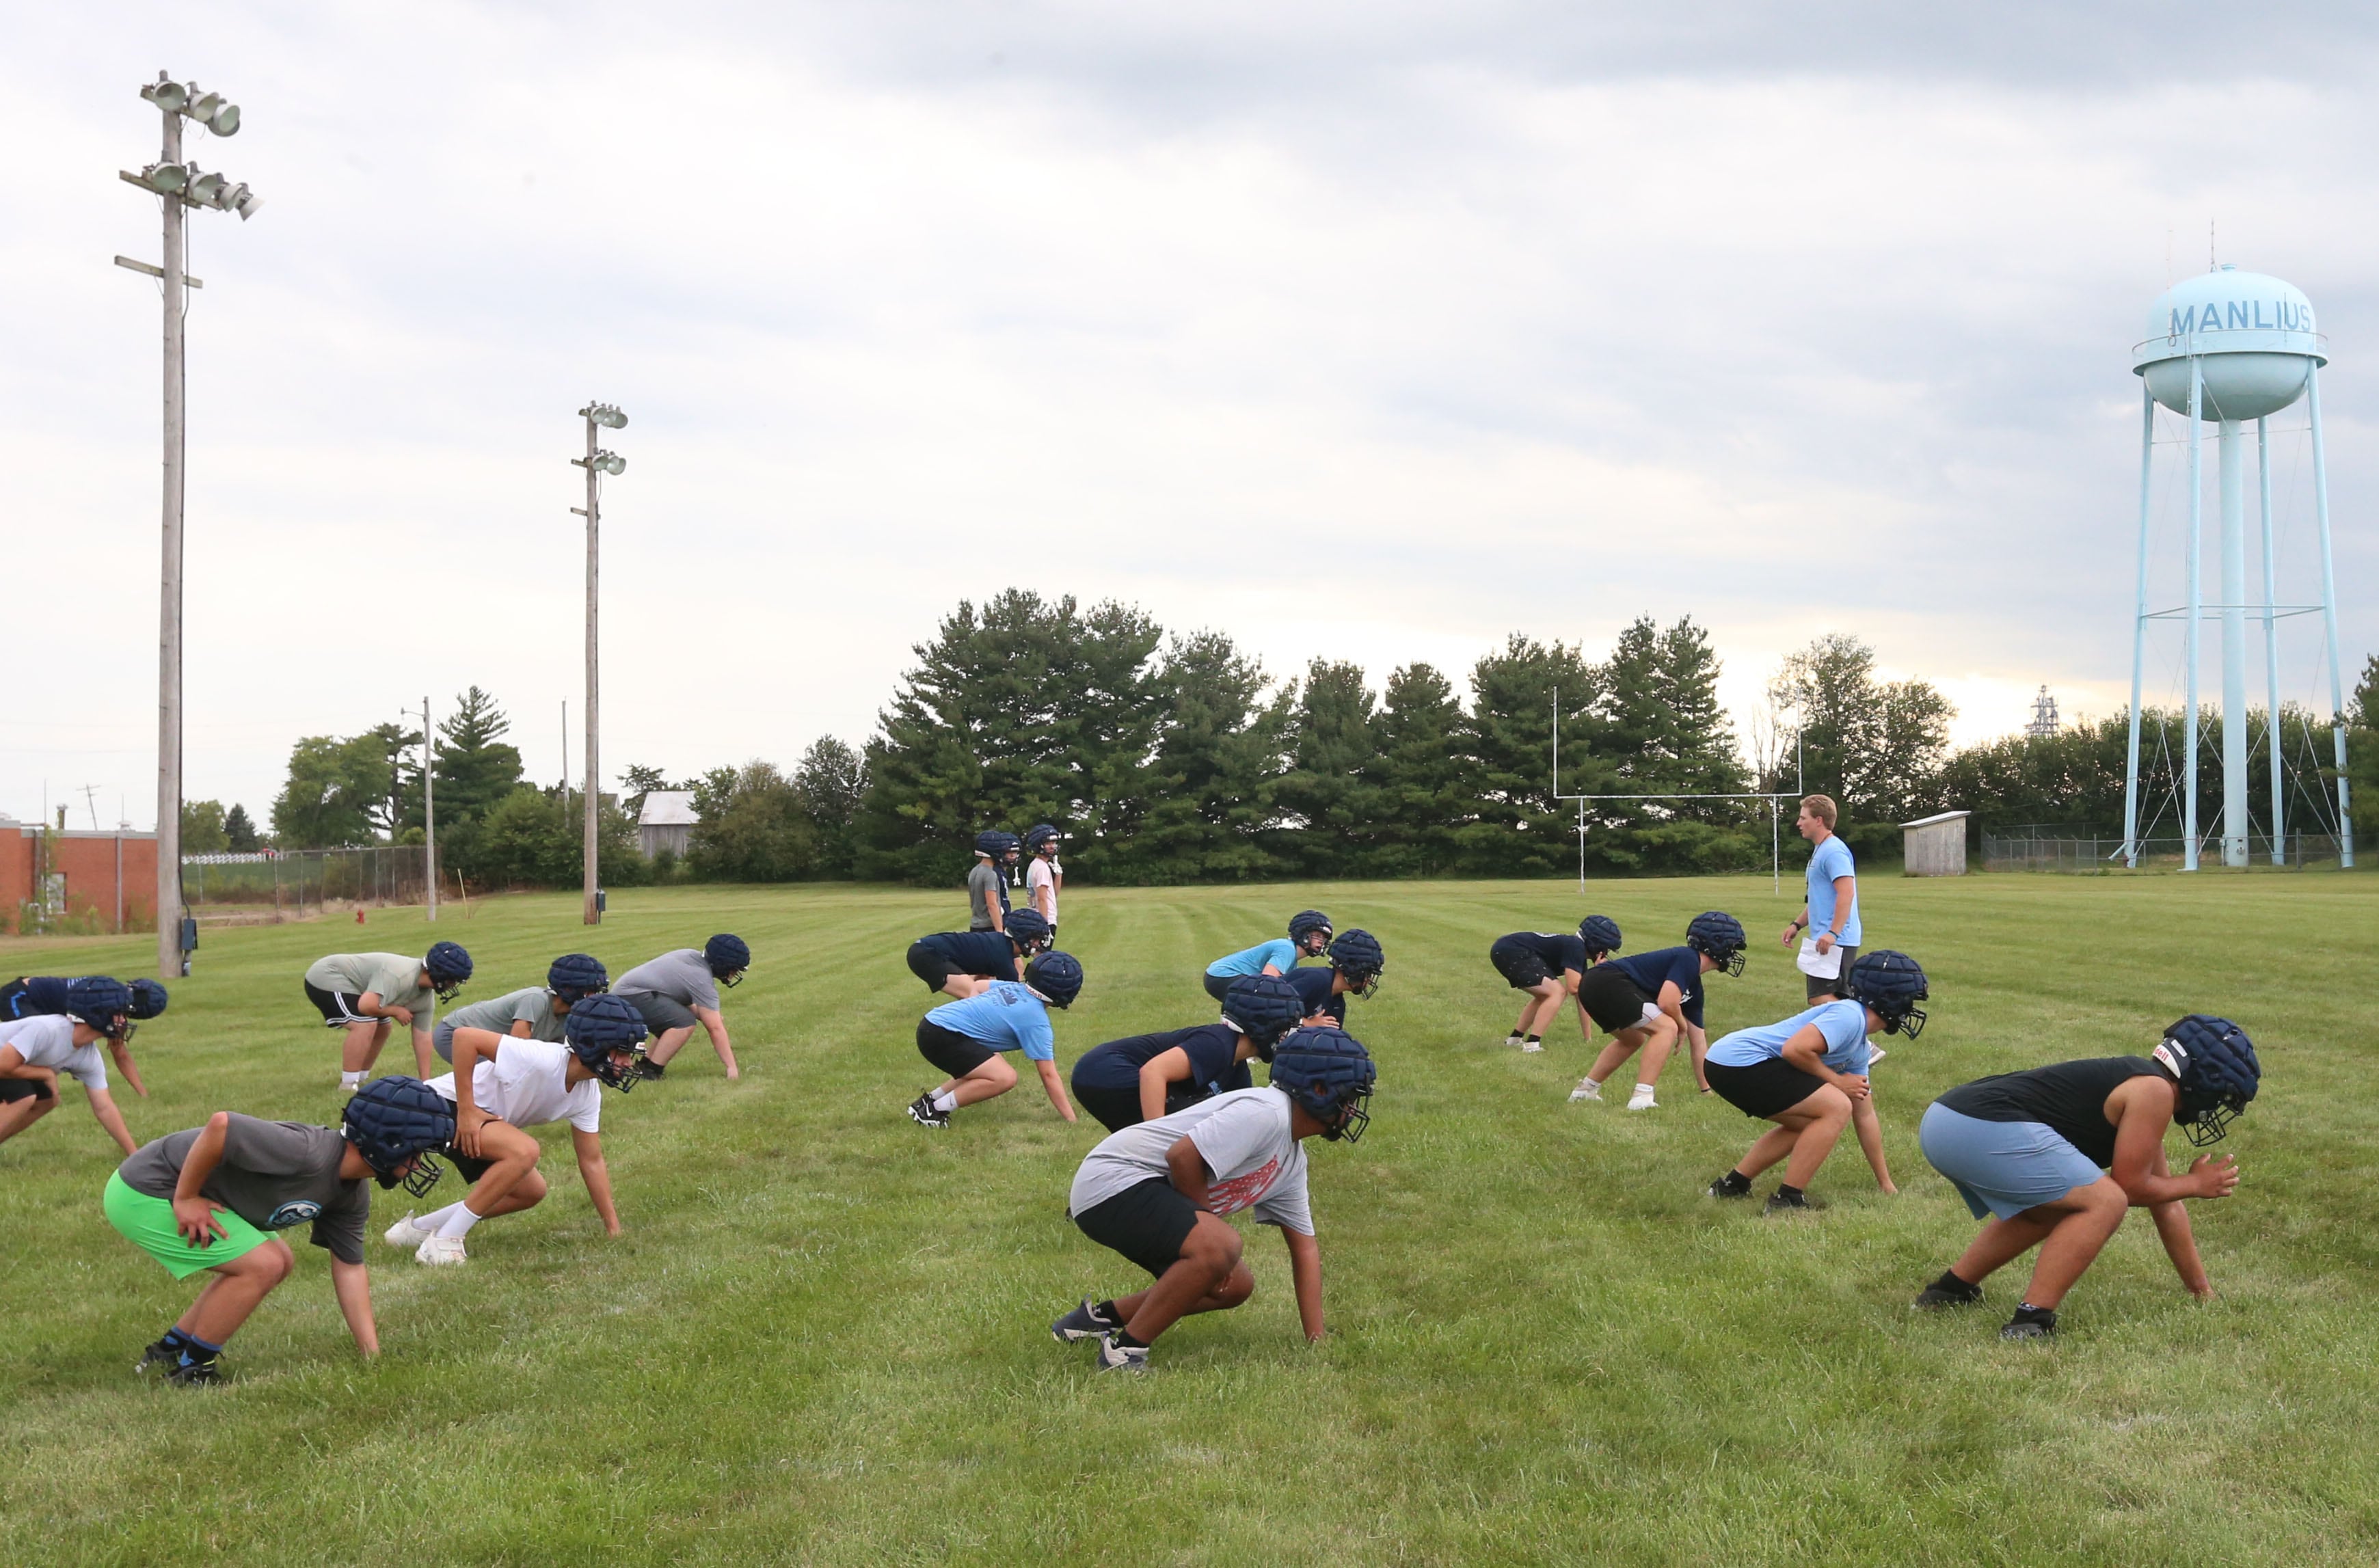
(823, 1338)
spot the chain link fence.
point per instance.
(2298, 850)
(270, 885)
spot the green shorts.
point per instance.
(148, 1224)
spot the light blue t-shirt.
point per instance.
(1841, 1022)
(1280, 952)
(1003, 1017)
(1832, 859)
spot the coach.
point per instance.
(1830, 915)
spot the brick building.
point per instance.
(111, 875)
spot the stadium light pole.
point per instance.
(177, 185)
(596, 463)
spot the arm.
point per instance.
(1045, 897)
(998, 916)
(353, 1284)
(1305, 1268)
(715, 1022)
(123, 1054)
(1806, 1050)
(2145, 1106)
(193, 1215)
(1155, 1075)
(1672, 1002)
(470, 1046)
(1055, 1089)
(597, 1178)
(1270, 970)
(1845, 894)
(1800, 923)
(1870, 1137)
(425, 1055)
(2172, 1230)
(13, 1065)
(1698, 1043)
(103, 1106)
(520, 1029)
(370, 1005)
(1187, 1169)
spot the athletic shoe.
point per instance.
(1947, 1291)
(1642, 1100)
(649, 1068)
(1875, 1055)
(406, 1233)
(1114, 1358)
(1515, 1041)
(1731, 1185)
(442, 1250)
(1782, 1202)
(194, 1374)
(922, 1111)
(1530, 1047)
(1585, 1089)
(163, 1352)
(1083, 1322)
(2030, 1322)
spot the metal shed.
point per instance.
(666, 822)
(1936, 845)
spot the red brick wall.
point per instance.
(91, 865)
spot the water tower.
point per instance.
(2227, 348)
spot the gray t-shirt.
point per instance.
(683, 977)
(533, 1005)
(393, 977)
(984, 884)
(1252, 1158)
(273, 1174)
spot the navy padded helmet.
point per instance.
(728, 957)
(1263, 1008)
(391, 1120)
(1359, 955)
(573, 977)
(1040, 836)
(1892, 984)
(1326, 1071)
(1721, 936)
(2215, 1064)
(996, 842)
(1057, 976)
(1601, 934)
(149, 998)
(1028, 930)
(600, 1024)
(1307, 924)
(449, 967)
(101, 1001)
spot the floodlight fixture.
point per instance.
(610, 463)
(165, 179)
(206, 191)
(216, 112)
(242, 200)
(168, 95)
(605, 414)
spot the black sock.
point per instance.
(1736, 1181)
(1536, 1040)
(1787, 1190)
(175, 1339)
(1105, 1312)
(2028, 1313)
(1950, 1284)
(1123, 1337)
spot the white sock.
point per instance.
(946, 1100)
(457, 1222)
(1643, 1089)
(351, 1080)
(435, 1217)
(1591, 1082)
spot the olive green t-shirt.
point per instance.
(532, 1005)
(394, 978)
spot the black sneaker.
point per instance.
(1947, 1291)
(1115, 1357)
(163, 1352)
(1734, 1184)
(1085, 1321)
(922, 1111)
(1782, 1202)
(2031, 1322)
(649, 1068)
(194, 1374)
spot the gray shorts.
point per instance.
(441, 1039)
(1838, 986)
(662, 1013)
(2001, 1168)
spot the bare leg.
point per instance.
(1770, 1147)
(668, 1046)
(1660, 1039)
(232, 1291)
(2074, 1241)
(988, 1081)
(513, 1174)
(1614, 1055)
(1828, 1111)
(1221, 1298)
(1209, 1258)
(16, 1115)
(360, 1048)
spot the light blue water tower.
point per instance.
(2226, 348)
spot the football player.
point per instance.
(1043, 877)
(365, 993)
(680, 989)
(1150, 1076)
(534, 1012)
(967, 1039)
(1308, 937)
(35, 1049)
(959, 964)
(1357, 961)
(996, 850)
(1651, 1000)
(1548, 966)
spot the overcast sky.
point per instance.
(1374, 331)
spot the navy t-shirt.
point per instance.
(1556, 951)
(976, 952)
(1313, 993)
(1210, 1048)
(37, 996)
(1662, 965)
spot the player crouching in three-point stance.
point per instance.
(503, 1085)
(534, 1012)
(679, 990)
(1308, 937)
(1651, 1000)
(2028, 1149)
(365, 993)
(1148, 1076)
(1547, 966)
(1357, 961)
(966, 1038)
(208, 1198)
(1155, 1194)
(35, 1049)
(961, 963)
(1807, 1075)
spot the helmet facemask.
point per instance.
(610, 1074)
(1729, 963)
(447, 989)
(1361, 983)
(418, 1181)
(1354, 1116)
(2204, 1119)
(1909, 1022)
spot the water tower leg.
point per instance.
(2231, 479)
(2329, 619)
(2196, 604)
(2138, 632)
(2271, 644)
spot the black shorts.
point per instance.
(33, 1089)
(660, 1014)
(338, 1007)
(1764, 1088)
(1218, 987)
(957, 1055)
(928, 965)
(1838, 986)
(1115, 1108)
(1612, 999)
(1147, 1223)
(1521, 966)
(469, 1168)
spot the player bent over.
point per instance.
(1808, 1075)
(210, 1197)
(1308, 937)
(1148, 1076)
(34, 1050)
(960, 963)
(1357, 961)
(1547, 966)
(30, 995)
(365, 993)
(502, 1086)
(1156, 1192)
(679, 990)
(1648, 1001)
(534, 1012)
(2057, 1156)
(966, 1038)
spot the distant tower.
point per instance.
(2228, 347)
(2044, 717)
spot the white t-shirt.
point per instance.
(1038, 875)
(527, 1086)
(1252, 1158)
(47, 1040)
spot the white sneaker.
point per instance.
(405, 1233)
(442, 1250)
(1530, 1047)
(1875, 1055)
(1587, 1090)
(1642, 1100)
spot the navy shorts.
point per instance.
(1218, 987)
(2001, 1168)
(1519, 965)
(1613, 1000)
(1146, 1222)
(928, 965)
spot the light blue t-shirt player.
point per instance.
(1005, 1017)
(1832, 859)
(1280, 953)
(1843, 1023)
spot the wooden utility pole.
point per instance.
(590, 913)
(169, 595)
